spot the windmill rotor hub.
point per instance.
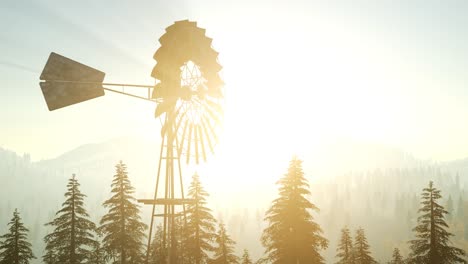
(192, 82)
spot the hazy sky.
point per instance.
(297, 73)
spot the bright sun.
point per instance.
(286, 106)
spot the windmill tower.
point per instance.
(188, 96)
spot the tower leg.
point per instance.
(148, 250)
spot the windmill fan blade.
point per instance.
(181, 146)
(214, 110)
(196, 143)
(189, 142)
(169, 123)
(200, 132)
(212, 113)
(180, 119)
(207, 136)
(215, 106)
(211, 129)
(174, 122)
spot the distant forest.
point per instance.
(414, 215)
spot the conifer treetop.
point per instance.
(362, 248)
(292, 234)
(432, 243)
(15, 249)
(73, 235)
(224, 252)
(201, 225)
(246, 258)
(121, 226)
(396, 257)
(345, 247)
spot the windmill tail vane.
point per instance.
(67, 82)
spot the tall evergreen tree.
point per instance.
(292, 235)
(15, 249)
(122, 227)
(246, 258)
(345, 248)
(73, 236)
(224, 250)
(396, 257)
(432, 243)
(362, 249)
(200, 224)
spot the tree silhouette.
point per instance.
(432, 243)
(224, 250)
(292, 236)
(73, 235)
(121, 227)
(345, 248)
(246, 258)
(200, 224)
(15, 249)
(396, 257)
(362, 249)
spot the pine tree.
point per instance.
(246, 258)
(224, 251)
(432, 243)
(73, 235)
(15, 249)
(200, 224)
(345, 248)
(362, 249)
(292, 236)
(121, 227)
(396, 257)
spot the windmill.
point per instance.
(188, 96)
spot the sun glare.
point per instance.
(271, 116)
